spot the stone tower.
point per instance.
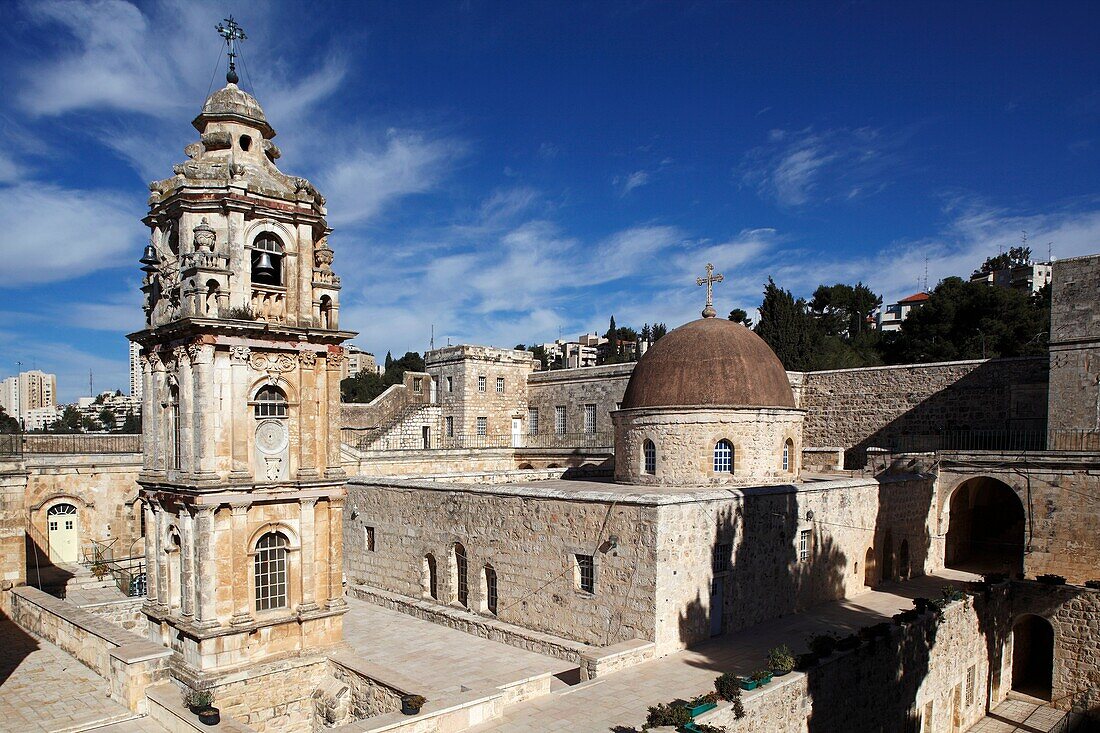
(242, 480)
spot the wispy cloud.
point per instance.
(628, 183)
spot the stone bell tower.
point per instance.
(242, 481)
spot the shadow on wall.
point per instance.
(41, 572)
(984, 399)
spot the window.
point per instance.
(490, 589)
(481, 383)
(431, 586)
(589, 419)
(787, 448)
(805, 540)
(720, 557)
(532, 421)
(175, 427)
(270, 569)
(482, 426)
(270, 402)
(246, 143)
(500, 385)
(462, 587)
(559, 420)
(368, 539)
(267, 260)
(449, 422)
(141, 520)
(970, 672)
(723, 457)
(586, 573)
(649, 456)
(450, 384)
(418, 384)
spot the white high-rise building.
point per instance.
(26, 392)
(135, 370)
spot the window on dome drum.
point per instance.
(482, 426)
(559, 420)
(589, 419)
(649, 453)
(270, 402)
(723, 457)
(805, 541)
(270, 569)
(788, 447)
(586, 573)
(500, 385)
(532, 421)
(267, 260)
(246, 143)
(481, 383)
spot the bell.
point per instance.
(263, 266)
(149, 256)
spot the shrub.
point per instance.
(240, 313)
(662, 714)
(703, 699)
(1051, 579)
(780, 659)
(727, 686)
(921, 604)
(198, 699)
(100, 569)
(823, 645)
(760, 674)
(949, 594)
(1095, 584)
(852, 641)
(708, 728)
(414, 701)
(738, 708)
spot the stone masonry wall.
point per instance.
(602, 386)
(457, 369)
(529, 539)
(876, 406)
(1075, 349)
(13, 559)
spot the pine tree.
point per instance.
(389, 360)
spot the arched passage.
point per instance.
(1033, 656)
(870, 568)
(985, 533)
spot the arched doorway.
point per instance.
(985, 533)
(870, 568)
(64, 533)
(1033, 656)
(904, 570)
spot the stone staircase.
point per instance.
(66, 580)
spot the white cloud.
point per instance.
(70, 364)
(53, 234)
(626, 184)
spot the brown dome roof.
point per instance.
(233, 103)
(710, 361)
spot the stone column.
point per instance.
(238, 358)
(187, 563)
(207, 582)
(242, 602)
(164, 592)
(309, 541)
(333, 362)
(152, 552)
(187, 412)
(307, 416)
(152, 422)
(335, 552)
(202, 367)
(148, 399)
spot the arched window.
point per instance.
(267, 260)
(462, 586)
(270, 569)
(430, 585)
(490, 589)
(326, 312)
(788, 448)
(270, 402)
(175, 437)
(649, 457)
(723, 457)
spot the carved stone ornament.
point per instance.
(205, 236)
(308, 358)
(193, 151)
(323, 256)
(200, 353)
(181, 354)
(239, 353)
(335, 359)
(273, 364)
(154, 361)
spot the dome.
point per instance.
(231, 103)
(709, 362)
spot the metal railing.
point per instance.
(365, 439)
(995, 440)
(81, 443)
(11, 445)
(127, 572)
(605, 439)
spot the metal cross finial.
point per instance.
(231, 32)
(709, 281)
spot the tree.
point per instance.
(365, 386)
(739, 315)
(89, 424)
(612, 337)
(842, 309)
(659, 330)
(647, 334)
(1014, 257)
(788, 328)
(8, 424)
(69, 422)
(132, 423)
(389, 361)
(540, 356)
(107, 418)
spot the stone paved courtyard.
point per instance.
(1016, 715)
(621, 699)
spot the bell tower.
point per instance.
(241, 352)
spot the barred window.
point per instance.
(723, 457)
(270, 567)
(462, 586)
(970, 673)
(720, 557)
(805, 541)
(490, 589)
(449, 422)
(481, 383)
(649, 453)
(450, 384)
(270, 402)
(787, 448)
(532, 421)
(418, 384)
(586, 573)
(559, 420)
(368, 539)
(589, 419)
(482, 426)
(500, 385)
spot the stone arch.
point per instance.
(460, 575)
(294, 540)
(325, 309)
(489, 589)
(210, 302)
(259, 227)
(429, 577)
(870, 568)
(282, 384)
(526, 467)
(1033, 656)
(985, 531)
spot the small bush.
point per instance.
(662, 714)
(198, 699)
(949, 594)
(703, 699)
(414, 701)
(760, 674)
(1095, 584)
(727, 686)
(823, 645)
(240, 313)
(707, 728)
(780, 659)
(738, 708)
(1051, 579)
(994, 578)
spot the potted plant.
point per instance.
(676, 715)
(747, 683)
(702, 703)
(761, 677)
(781, 660)
(201, 703)
(1094, 584)
(1051, 579)
(727, 686)
(411, 704)
(823, 645)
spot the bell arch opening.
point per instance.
(985, 532)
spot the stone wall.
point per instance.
(458, 371)
(125, 614)
(879, 406)
(13, 559)
(420, 463)
(602, 386)
(1075, 349)
(276, 697)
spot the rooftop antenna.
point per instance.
(91, 392)
(1050, 252)
(232, 33)
(925, 288)
(431, 342)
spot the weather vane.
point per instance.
(232, 33)
(709, 281)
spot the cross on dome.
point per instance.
(709, 281)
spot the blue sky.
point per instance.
(503, 170)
